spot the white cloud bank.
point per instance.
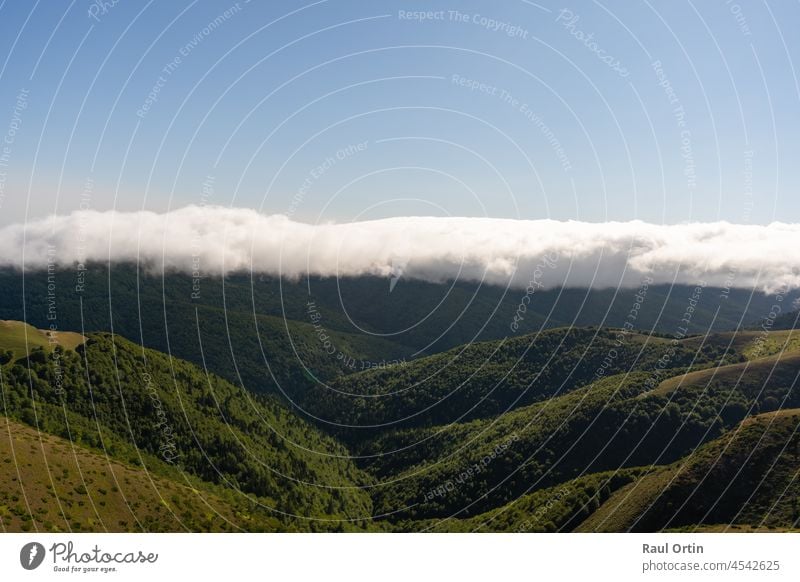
(498, 251)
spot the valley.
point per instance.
(242, 412)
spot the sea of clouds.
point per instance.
(217, 240)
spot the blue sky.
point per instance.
(342, 110)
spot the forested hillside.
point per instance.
(170, 417)
(575, 428)
(282, 336)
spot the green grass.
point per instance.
(139, 404)
(774, 342)
(760, 459)
(750, 344)
(751, 371)
(557, 508)
(50, 484)
(617, 422)
(555, 446)
(746, 479)
(21, 338)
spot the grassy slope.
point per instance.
(764, 496)
(220, 433)
(750, 344)
(612, 423)
(20, 338)
(50, 484)
(747, 477)
(549, 442)
(760, 370)
(553, 509)
(591, 429)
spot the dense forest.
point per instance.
(267, 406)
(170, 418)
(283, 337)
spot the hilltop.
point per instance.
(18, 339)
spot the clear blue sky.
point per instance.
(570, 115)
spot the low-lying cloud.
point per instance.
(216, 240)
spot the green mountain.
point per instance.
(784, 321)
(564, 429)
(628, 420)
(486, 379)
(281, 337)
(173, 419)
(746, 478)
(51, 484)
(561, 508)
(220, 330)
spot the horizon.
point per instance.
(214, 240)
